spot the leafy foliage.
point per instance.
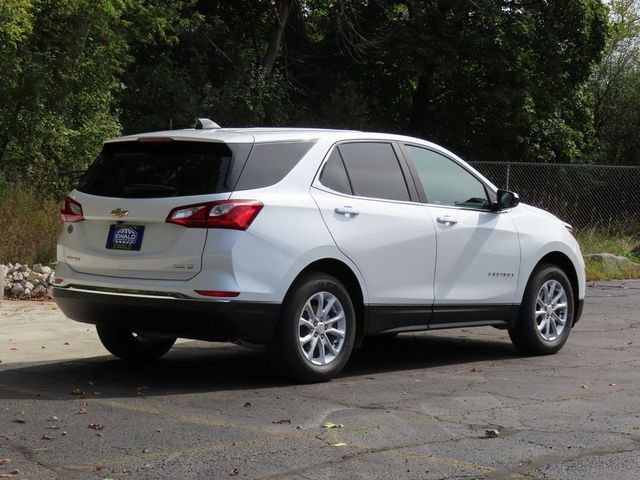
(491, 79)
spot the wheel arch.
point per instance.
(564, 263)
(348, 278)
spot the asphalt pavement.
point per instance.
(457, 404)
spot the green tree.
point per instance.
(615, 87)
(57, 95)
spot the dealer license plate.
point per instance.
(125, 237)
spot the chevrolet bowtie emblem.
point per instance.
(120, 212)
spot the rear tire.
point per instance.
(128, 346)
(316, 330)
(546, 313)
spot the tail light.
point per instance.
(233, 214)
(70, 210)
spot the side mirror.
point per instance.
(505, 200)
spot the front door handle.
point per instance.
(447, 220)
(346, 211)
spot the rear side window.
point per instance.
(165, 169)
(374, 170)
(271, 162)
(334, 175)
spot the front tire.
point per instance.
(133, 347)
(316, 331)
(546, 313)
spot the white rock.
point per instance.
(23, 268)
(18, 277)
(46, 270)
(36, 268)
(27, 286)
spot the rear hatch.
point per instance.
(126, 196)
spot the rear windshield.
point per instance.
(167, 169)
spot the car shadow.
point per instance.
(200, 367)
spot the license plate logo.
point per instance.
(125, 237)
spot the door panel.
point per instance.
(478, 257)
(478, 250)
(393, 244)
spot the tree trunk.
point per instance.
(284, 9)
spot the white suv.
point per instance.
(306, 241)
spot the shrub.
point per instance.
(29, 225)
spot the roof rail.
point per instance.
(206, 124)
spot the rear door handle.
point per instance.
(447, 220)
(346, 211)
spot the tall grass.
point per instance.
(29, 225)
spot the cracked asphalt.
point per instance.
(416, 406)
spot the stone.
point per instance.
(17, 277)
(46, 270)
(32, 275)
(636, 251)
(23, 268)
(27, 286)
(37, 268)
(613, 261)
(17, 290)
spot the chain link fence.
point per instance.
(587, 196)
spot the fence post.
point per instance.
(508, 174)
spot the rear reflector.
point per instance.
(216, 293)
(70, 210)
(233, 214)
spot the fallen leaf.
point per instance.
(76, 391)
(98, 468)
(234, 472)
(4, 461)
(491, 432)
(13, 349)
(46, 437)
(159, 430)
(64, 433)
(96, 426)
(99, 434)
(339, 444)
(19, 420)
(53, 427)
(476, 370)
(282, 422)
(12, 473)
(248, 404)
(146, 450)
(612, 384)
(584, 386)
(332, 425)
(66, 343)
(52, 418)
(81, 411)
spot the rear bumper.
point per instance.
(251, 322)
